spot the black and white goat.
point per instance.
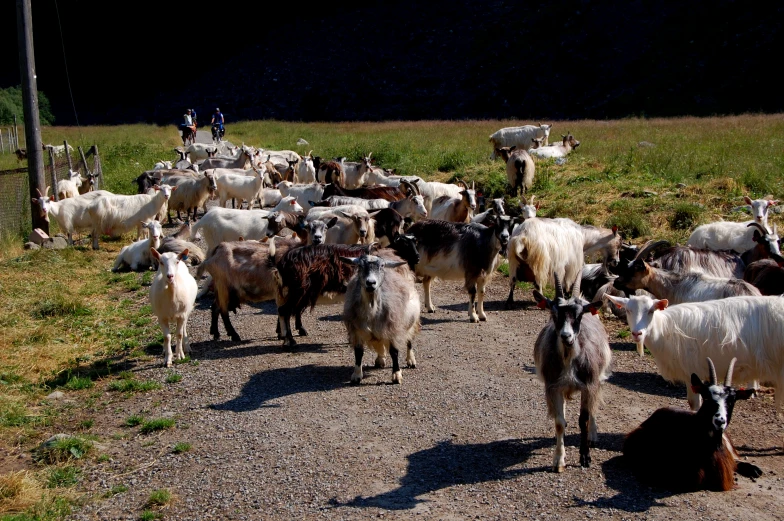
(457, 251)
(684, 450)
(381, 311)
(572, 354)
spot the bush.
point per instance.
(160, 497)
(685, 216)
(631, 222)
(62, 449)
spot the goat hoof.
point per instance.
(216, 337)
(585, 460)
(473, 319)
(289, 341)
(483, 318)
(168, 364)
(429, 310)
(355, 381)
(235, 338)
(302, 332)
(380, 362)
(397, 377)
(410, 365)
(558, 468)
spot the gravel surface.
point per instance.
(278, 433)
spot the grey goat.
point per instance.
(572, 354)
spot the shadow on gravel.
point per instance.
(648, 383)
(490, 305)
(265, 308)
(631, 496)
(224, 349)
(623, 346)
(266, 386)
(448, 464)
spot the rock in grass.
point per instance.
(31, 246)
(57, 395)
(55, 243)
(301, 141)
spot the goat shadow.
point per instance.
(266, 386)
(623, 346)
(227, 349)
(648, 383)
(448, 464)
(267, 307)
(632, 496)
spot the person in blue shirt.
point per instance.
(217, 119)
(193, 116)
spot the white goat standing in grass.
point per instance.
(172, 297)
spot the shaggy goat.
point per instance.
(572, 354)
(520, 169)
(687, 451)
(727, 235)
(381, 310)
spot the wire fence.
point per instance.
(14, 184)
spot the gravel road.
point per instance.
(278, 433)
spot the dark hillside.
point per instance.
(428, 60)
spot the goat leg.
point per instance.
(285, 328)
(229, 328)
(510, 299)
(585, 451)
(471, 288)
(748, 470)
(356, 378)
(410, 358)
(298, 324)
(214, 321)
(397, 374)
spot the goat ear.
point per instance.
(155, 254)
(394, 264)
(661, 304)
(772, 203)
(747, 199)
(745, 394)
(594, 307)
(696, 383)
(615, 229)
(618, 302)
(542, 302)
(349, 260)
(332, 222)
(512, 147)
(183, 255)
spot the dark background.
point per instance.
(370, 60)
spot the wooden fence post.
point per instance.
(16, 133)
(2, 145)
(68, 155)
(84, 161)
(97, 170)
(54, 173)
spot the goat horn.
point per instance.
(532, 199)
(759, 227)
(559, 292)
(576, 287)
(523, 201)
(728, 378)
(712, 370)
(648, 248)
(271, 253)
(459, 183)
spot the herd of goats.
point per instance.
(363, 235)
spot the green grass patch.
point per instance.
(173, 378)
(66, 476)
(624, 333)
(60, 306)
(150, 515)
(133, 386)
(159, 498)
(116, 489)
(157, 424)
(686, 216)
(181, 447)
(49, 508)
(63, 450)
(86, 424)
(77, 383)
(134, 420)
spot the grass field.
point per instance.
(70, 324)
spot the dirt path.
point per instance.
(278, 433)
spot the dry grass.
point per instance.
(19, 491)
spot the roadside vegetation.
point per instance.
(72, 326)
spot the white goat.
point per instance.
(118, 214)
(71, 214)
(198, 151)
(302, 193)
(137, 255)
(306, 171)
(681, 337)
(455, 209)
(192, 194)
(727, 235)
(521, 137)
(555, 151)
(240, 187)
(172, 297)
(163, 165)
(67, 188)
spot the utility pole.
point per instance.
(35, 156)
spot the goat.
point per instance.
(454, 251)
(240, 273)
(306, 171)
(58, 150)
(678, 288)
(685, 451)
(88, 185)
(314, 274)
(767, 275)
(137, 255)
(520, 169)
(521, 137)
(21, 154)
(115, 215)
(727, 235)
(353, 225)
(243, 160)
(70, 214)
(433, 190)
(555, 151)
(684, 259)
(172, 297)
(163, 165)
(381, 310)
(67, 188)
(390, 193)
(496, 208)
(302, 193)
(192, 194)
(541, 249)
(241, 187)
(197, 152)
(177, 243)
(227, 224)
(679, 337)
(572, 353)
(455, 209)
(330, 171)
(413, 206)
